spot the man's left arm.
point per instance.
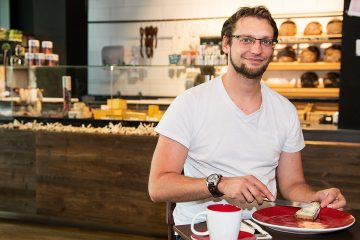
(292, 184)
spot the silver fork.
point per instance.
(260, 233)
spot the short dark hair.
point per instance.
(260, 12)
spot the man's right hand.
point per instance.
(246, 189)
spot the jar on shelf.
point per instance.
(223, 59)
(51, 59)
(39, 59)
(29, 59)
(34, 46)
(47, 47)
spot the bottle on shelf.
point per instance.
(18, 59)
(66, 85)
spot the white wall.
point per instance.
(127, 34)
(4, 14)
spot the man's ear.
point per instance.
(225, 44)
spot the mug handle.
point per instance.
(193, 227)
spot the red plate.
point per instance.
(283, 219)
(242, 235)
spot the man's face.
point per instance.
(250, 60)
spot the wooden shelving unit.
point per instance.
(328, 93)
(293, 92)
(304, 66)
(328, 38)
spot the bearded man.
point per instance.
(233, 138)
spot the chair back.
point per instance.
(170, 219)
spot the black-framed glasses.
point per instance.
(247, 40)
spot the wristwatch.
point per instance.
(212, 182)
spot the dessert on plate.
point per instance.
(310, 212)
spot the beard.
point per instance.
(251, 73)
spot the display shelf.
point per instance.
(44, 100)
(288, 66)
(165, 101)
(328, 38)
(50, 83)
(308, 15)
(308, 93)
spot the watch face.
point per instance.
(213, 178)
(212, 181)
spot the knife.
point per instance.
(288, 203)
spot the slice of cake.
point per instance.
(310, 212)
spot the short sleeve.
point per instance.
(294, 140)
(177, 121)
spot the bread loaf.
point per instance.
(331, 80)
(309, 80)
(288, 28)
(310, 54)
(332, 53)
(334, 26)
(310, 213)
(287, 54)
(313, 28)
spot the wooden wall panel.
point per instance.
(17, 171)
(98, 179)
(329, 164)
(102, 179)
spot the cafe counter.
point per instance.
(99, 178)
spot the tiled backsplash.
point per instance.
(117, 22)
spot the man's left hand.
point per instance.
(331, 198)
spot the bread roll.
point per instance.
(310, 54)
(334, 26)
(332, 53)
(331, 80)
(313, 28)
(309, 80)
(287, 54)
(288, 28)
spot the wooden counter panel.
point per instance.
(98, 179)
(102, 179)
(334, 165)
(17, 171)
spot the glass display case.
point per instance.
(92, 91)
(140, 93)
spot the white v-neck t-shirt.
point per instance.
(221, 139)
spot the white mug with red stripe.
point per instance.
(222, 220)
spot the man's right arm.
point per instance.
(166, 183)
